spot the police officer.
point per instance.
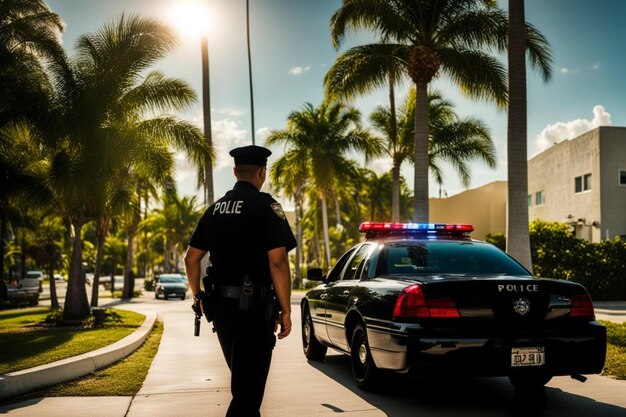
(248, 237)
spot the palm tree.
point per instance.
(518, 239)
(29, 34)
(451, 36)
(320, 138)
(114, 129)
(453, 140)
(289, 176)
(359, 71)
(175, 222)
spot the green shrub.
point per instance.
(496, 239)
(148, 284)
(557, 253)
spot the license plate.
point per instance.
(528, 356)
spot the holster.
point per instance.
(209, 296)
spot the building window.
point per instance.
(622, 177)
(530, 200)
(582, 183)
(540, 198)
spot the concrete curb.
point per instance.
(20, 382)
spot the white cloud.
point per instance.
(381, 165)
(262, 134)
(299, 70)
(563, 70)
(560, 131)
(596, 66)
(231, 112)
(226, 135)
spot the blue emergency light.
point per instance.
(379, 228)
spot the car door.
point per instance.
(338, 296)
(317, 298)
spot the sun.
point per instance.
(192, 17)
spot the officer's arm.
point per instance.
(193, 268)
(281, 278)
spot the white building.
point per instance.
(582, 182)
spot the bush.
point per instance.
(557, 253)
(148, 284)
(600, 267)
(496, 239)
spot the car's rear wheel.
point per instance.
(165, 296)
(364, 370)
(526, 382)
(182, 297)
(313, 349)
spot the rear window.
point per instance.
(171, 279)
(451, 257)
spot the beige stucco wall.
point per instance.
(612, 195)
(600, 152)
(483, 207)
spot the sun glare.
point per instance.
(192, 17)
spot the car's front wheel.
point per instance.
(313, 349)
(364, 370)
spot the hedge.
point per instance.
(557, 253)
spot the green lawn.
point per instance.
(25, 342)
(615, 365)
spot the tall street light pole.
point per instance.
(209, 196)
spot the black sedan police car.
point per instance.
(426, 298)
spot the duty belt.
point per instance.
(228, 291)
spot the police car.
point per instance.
(426, 298)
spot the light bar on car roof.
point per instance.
(376, 229)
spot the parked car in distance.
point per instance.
(24, 291)
(426, 299)
(38, 275)
(167, 285)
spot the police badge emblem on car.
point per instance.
(521, 306)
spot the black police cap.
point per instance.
(250, 155)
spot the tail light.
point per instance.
(412, 303)
(582, 306)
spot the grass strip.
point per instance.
(615, 365)
(123, 378)
(25, 343)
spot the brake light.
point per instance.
(582, 306)
(412, 303)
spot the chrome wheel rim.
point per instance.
(363, 354)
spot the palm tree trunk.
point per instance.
(395, 200)
(297, 275)
(518, 240)
(325, 226)
(76, 303)
(209, 196)
(95, 284)
(129, 284)
(420, 179)
(54, 300)
(3, 232)
(395, 192)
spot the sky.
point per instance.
(292, 51)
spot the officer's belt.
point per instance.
(228, 291)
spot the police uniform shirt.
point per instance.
(238, 230)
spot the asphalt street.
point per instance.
(189, 377)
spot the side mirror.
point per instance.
(314, 274)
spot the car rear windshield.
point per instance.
(171, 279)
(451, 257)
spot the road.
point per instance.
(189, 378)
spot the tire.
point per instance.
(528, 382)
(364, 370)
(312, 348)
(165, 296)
(182, 297)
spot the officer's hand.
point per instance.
(285, 324)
